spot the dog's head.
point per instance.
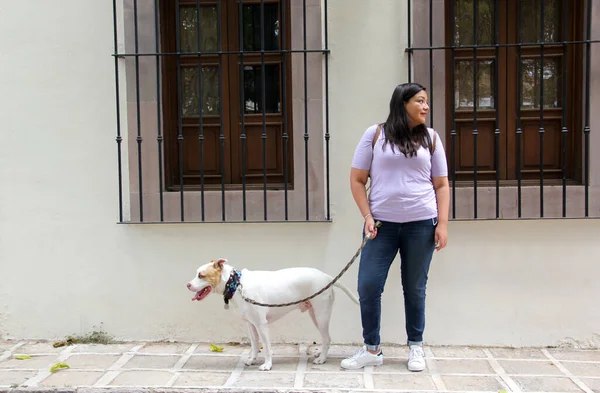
(208, 277)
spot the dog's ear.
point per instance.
(218, 264)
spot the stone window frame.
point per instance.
(171, 202)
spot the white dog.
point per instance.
(280, 286)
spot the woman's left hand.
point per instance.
(441, 236)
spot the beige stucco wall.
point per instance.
(67, 267)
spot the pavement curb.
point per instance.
(157, 390)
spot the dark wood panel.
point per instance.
(485, 148)
(552, 145)
(211, 151)
(255, 147)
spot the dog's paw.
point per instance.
(320, 360)
(250, 361)
(265, 366)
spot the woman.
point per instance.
(409, 194)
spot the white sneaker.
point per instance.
(416, 358)
(362, 358)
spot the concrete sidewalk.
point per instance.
(172, 367)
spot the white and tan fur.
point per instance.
(279, 286)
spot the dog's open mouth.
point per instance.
(202, 293)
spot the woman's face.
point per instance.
(417, 109)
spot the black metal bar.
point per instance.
(221, 130)
(284, 106)
(453, 111)
(147, 223)
(200, 111)
(409, 15)
(119, 139)
(243, 138)
(564, 130)
(586, 129)
(453, 170)
(305, 111)
(407, 49)
(430, 63)
(264, 109)
(475, 133)
(541, 129)
(327, 117)
(179, 109)
(138, 116)
(505, 45)
(519, 132)
(496, 101)
(228, 52)
(497, 165)
(159, 136)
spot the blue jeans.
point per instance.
(416, 243)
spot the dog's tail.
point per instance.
(348, 292)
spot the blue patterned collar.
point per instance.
(231, 286)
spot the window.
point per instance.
(227, 117)
(211, 128)
(509, 87)
(529, 92)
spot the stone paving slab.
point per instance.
(191, 367)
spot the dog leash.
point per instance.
(364, 242)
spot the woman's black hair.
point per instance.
(396, 128)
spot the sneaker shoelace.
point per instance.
(358, 354)
(416, 353)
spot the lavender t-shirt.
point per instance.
(401, 187)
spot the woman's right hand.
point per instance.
(370, 227)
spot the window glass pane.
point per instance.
(190, 91)
(252, 32)
(253, 88)
(531, 86)
(463, 94)
(463, 22)
(189, 29)
(531, 20)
